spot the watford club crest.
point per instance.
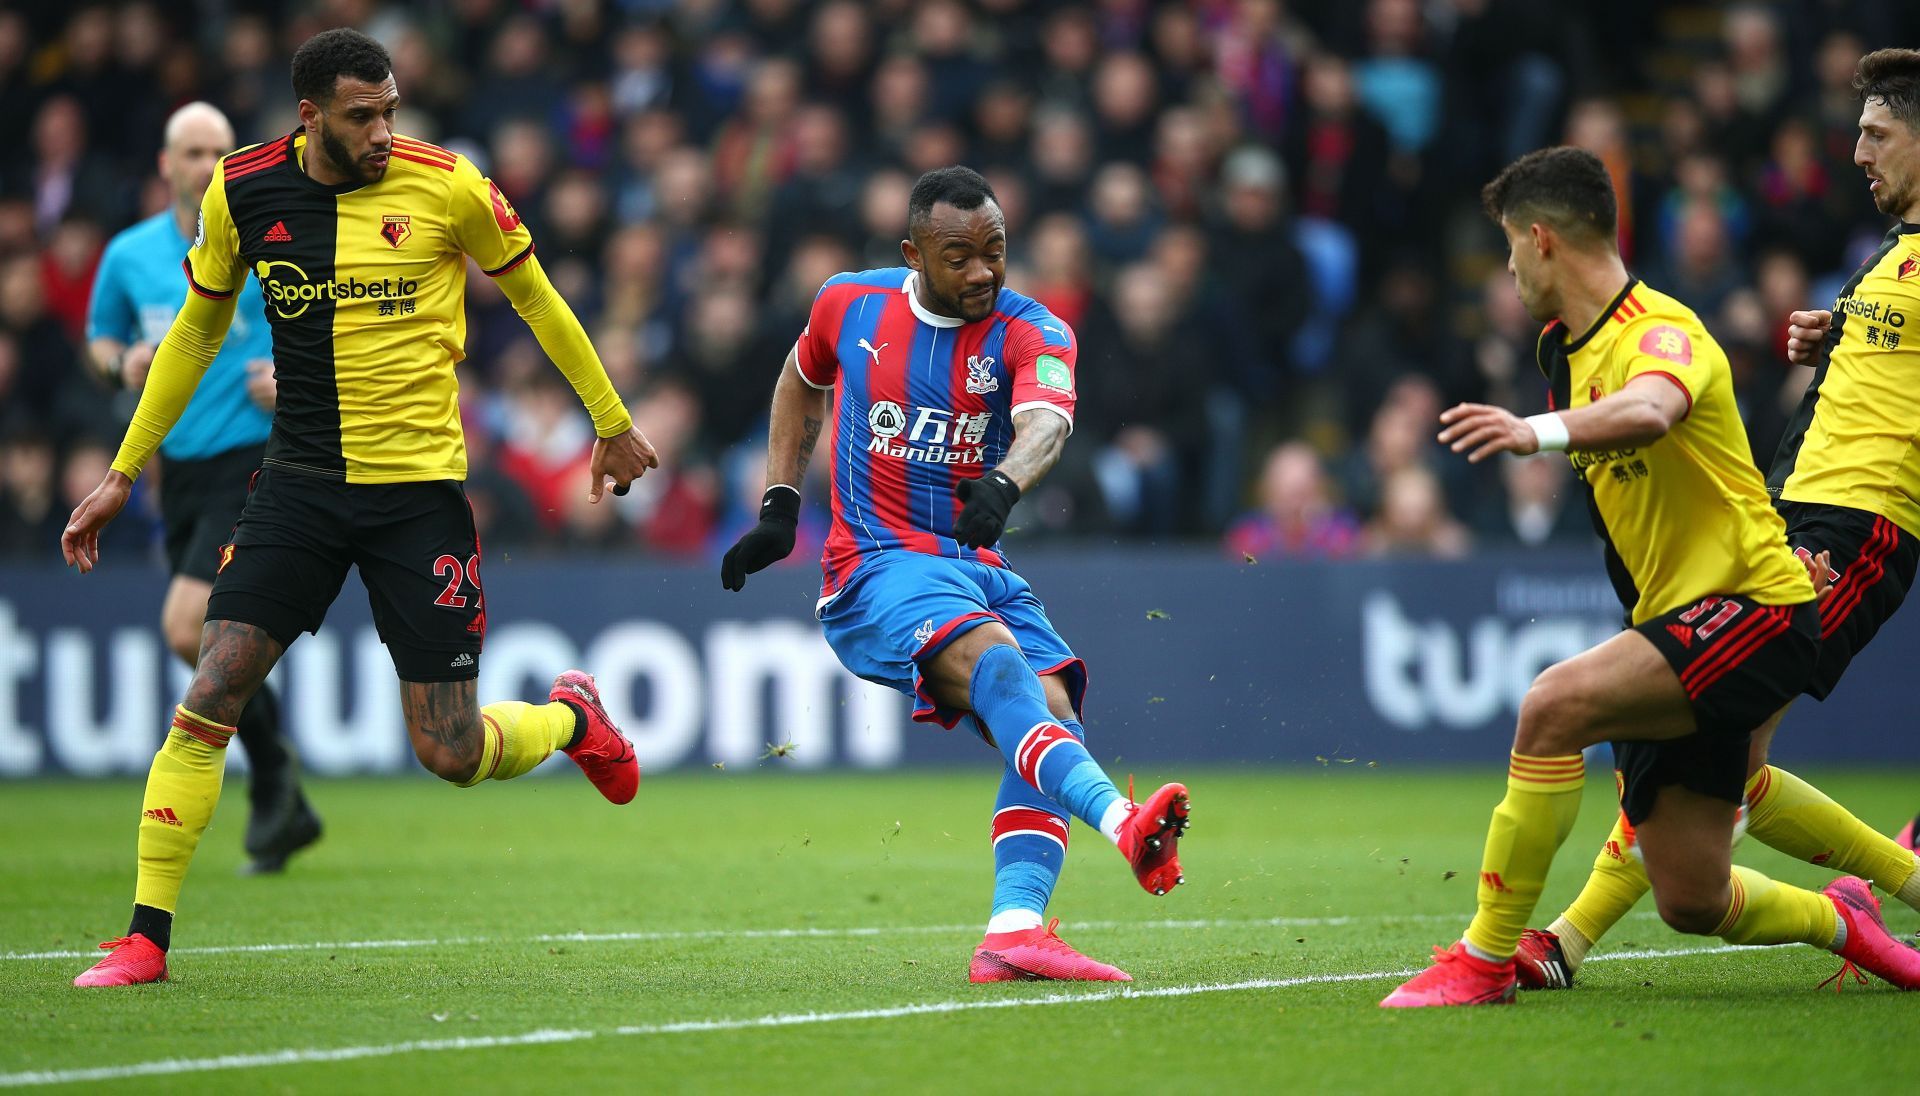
(394, 228)
(1909, 267)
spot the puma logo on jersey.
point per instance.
(874, 350)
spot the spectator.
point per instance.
(1062, 157)
(1539, 506)
(943, 35)
(65, 174)
(673, 509)
(30, 513)
(1145, 393)
(1337, 156)
(1297, 518)
(1259, 266)
(546, 437)
(1412, 519)
(1125, 93)
(1121, 217)
(1255, 61)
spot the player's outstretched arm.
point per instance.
(1039, 437)
(1639, 414)
(178, 365)
(799, 411)
(621, 453)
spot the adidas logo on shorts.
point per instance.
(461, 661)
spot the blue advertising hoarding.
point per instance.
(1192, 658)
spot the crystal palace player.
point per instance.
(360, 238)
(1724, 627)
(952, 396)
(1847, 481)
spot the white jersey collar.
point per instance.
(932, 319)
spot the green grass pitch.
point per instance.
(776, 931)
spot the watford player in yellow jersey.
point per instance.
(360, 239)
(1724, 627)
(1847, 481)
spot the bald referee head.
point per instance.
(197, 136)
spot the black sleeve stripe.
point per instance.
(201, 289)
(510, 263)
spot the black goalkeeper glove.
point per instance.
(766, 543)
(987, 501)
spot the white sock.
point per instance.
(1909, 891)
(1840, 930)
(1484, 956)
(1573, 944)
(1116, 814)
(1013, 921)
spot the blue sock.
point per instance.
(1029, 849)
(1042, 751)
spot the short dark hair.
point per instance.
(323, 59)
(958, 186)
(1565, 187)
(1893, 77)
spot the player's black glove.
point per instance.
(987, 501)
(766, 543)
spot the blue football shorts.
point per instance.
(901, 608)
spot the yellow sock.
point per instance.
(516, 736)
(1766, 912)
(1617, 882)
(183, 787)
(1789, 814)
(1543, 796)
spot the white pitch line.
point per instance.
(763, 934)
(165, 1066)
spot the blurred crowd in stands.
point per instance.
(1261, 217)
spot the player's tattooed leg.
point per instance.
(234, 659)
(443, 720)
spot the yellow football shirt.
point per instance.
(365, 290)
(1852, 441)
(1688, 515)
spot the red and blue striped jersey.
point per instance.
(921, 402)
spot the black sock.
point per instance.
(579, 724)
(258, 729)
(153, 923)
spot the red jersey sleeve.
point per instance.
(1042, 354)
(819, 362)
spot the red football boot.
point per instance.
(1037, 955)
(602, 752)
(1909, 836)
(132, 961)
(1150, 837)
(1456, 978)
(1540, 964)
(1869, 945)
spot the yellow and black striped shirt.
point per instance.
(365, 290)
(1852, 442)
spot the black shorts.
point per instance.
(200, 502)
(1739, 663)
(1872, 564)
(413, 542)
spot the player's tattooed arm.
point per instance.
(799, 413)
(1039, 437)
